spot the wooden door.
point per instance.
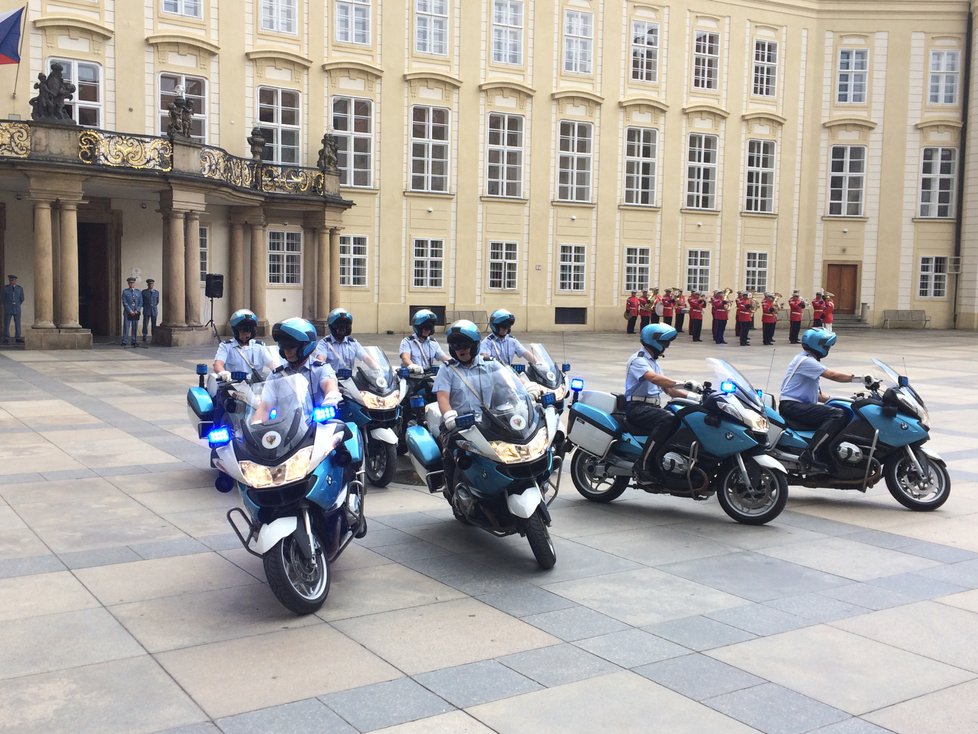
(95, 288)
(843, 281)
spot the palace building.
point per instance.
(545, 156)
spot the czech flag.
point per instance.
(10, 23)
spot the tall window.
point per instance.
(853, 65)
(502, 265)
(194, 90)
(353, 21)
(279, 15)
(640, 155)
(933, 277)
(353, 129)
(204, 236)
(353, 260)
(431, 27)
(505, 155)
(284, 258)
(85, 107)
(429, 149)
(760, 176)
(698, 270)
(846, 180)
(507, 31)
(701, 172)
(938, 176)
(429, 263)
(278, 118)
(765, 68)
(755, 273)
(571, 268)
(645, 51)
(637, 264)
(188, 8)
(574, 161)
(945, 70)
(706, 60)
(578, 41)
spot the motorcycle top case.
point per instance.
(591, 429)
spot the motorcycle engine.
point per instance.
(849, 453)
(674, 463)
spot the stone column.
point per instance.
(192, 268)
(334, 268)
(235, 281)
(68, 272)
(259, 273)
(322, 275)
(309, 236)
(43, 267)
(173, 267)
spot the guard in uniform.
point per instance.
(242, 353)
(745, 315)
(631, 311)
(818, 308)
(655, 306)
(132, 302)
(151, 308)
(421, 350)
(668, 308)
(338, 348)
(501, 345)
(681, 305)
(796, 308)
(828, 313)
(645, 309)
(769, 318)
(720, 310)
(13, 297)
(297, 339)
(696, 305)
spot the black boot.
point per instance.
(809, 458)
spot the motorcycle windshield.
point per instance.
(271, 419)
(268, 360)
(892, 377)
(891, 374)
(372, 372)
(744, 390)
(508, 412)
(544, 372)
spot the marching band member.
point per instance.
(696, 305)
(796, 307)
(745, 315)
(769, 318)
(681, 305)
(818, 308)
(668, 307)
(828, 314)
(719, 309)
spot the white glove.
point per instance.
(534, 390)
(224, 376)
(415, 369)
(448, 420)
(332, 397)
(693, 386)
(866, 380)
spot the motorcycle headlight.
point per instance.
(756, 422)
(376, 402)
(914, 408)
(515, 453)
(293, 469)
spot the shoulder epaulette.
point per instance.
(317, 363)
(259, 343)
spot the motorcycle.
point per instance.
(420, 392)
(884, 438)
(717, 447)
(372, 395)
(504, 466)
(545, 373)
(299, 475)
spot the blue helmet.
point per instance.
(501, 318)
(463, 333)
(340, 323)
(295, 332)
(818, 341)
(423, 318)
(657, 337)
(243, 319)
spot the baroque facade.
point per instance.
(546, 156)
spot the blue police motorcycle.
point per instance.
(884, 439)
(717, 447)
(545, 375)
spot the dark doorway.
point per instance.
(94, 293)
(843, 281)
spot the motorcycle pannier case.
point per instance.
(591, 429)
(426, 457)
(200, 410)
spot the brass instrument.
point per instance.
(727, 292)
(778, 301)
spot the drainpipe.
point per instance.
(963, 147)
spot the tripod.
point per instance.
(211, 322)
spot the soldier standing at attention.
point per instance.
(818, 308)
(132, 302)
(645, 309)
(745, 315)
(769, 318)
(151, 305)
(720, 313)
(828, 312)
(13, 297)
(681, 304)
(696, 305)
(631, 309)
(668, 308)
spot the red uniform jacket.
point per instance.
(827, 317)
(668, 306)
(719, 309)
(696, 305)
(744, 311)
(646, 306)
(818, 306)
(769, 313)
(797, 306)
(680, 303)
(632, 304)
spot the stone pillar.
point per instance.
(173, 266)
(235, 280)
(192, 268)
(310, 235)
(334, 268)
(259, 274)
(43, 267)
(322, 275)
(68, 267)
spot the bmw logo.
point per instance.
(382, 382)
(729, 436)
(517, 423)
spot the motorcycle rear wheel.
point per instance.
(540, 543)
(296, 584)
(758, 503)
(381, 462)
(903, 483)
(595, 488)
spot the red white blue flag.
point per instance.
(10, 23)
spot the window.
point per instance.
(429, 149)
(765, 68)
(933, 277)
(429, 262)
(945, 70)
(701, 172)
(278, 117)
(578, 34)
(284, 258)
(279, 15)
(507, 31)
(353, 260)
(846, 180)
(637, 263)
(431, 27)
(353, 124)
(853, 63)
(706, 60)
(645, 51)
(203, 234)
(353, 21)
(571, 268)
(85, 107)
(698, 270)
(755, 273)
(502, 265)
(505, 155)
(195, 91)
(189, 8)
(760, 176)
(574, 161)
(640, 155)
(938, 177)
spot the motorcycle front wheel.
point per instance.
(381, 462)
(913, 491)
(757, 503)
(592, 485)
(301, 587)
(540, 543)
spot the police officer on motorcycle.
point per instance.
(242, 353)
(421, 350)
(338, 348)
(297, 339)
(501, 345)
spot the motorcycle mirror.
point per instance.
(565, 367)
(465, 421)
(344, 374)
(519, 368)
(238, 376)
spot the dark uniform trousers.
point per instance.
(826, 419)
(645, 418)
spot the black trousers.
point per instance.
(695, 328)
(631, 324)
(645, 320)
(793, 329)
(645, 418)
(719, 326)
(768, 331)
(654, 318)
(826, 419)
(817, 323)
(744, 332)
(680, 320)
(667, 320)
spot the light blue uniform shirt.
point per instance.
(801, 379)
(340, 354)
(423, 353)
(503, 350)
(636, 386)
(468, 388)
(315, 371)
(239, 358)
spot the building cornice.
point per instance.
(850, 121)
(343, 64)
(579, 93)
(70, 21)
(705, 108)
(764, 115)
(437, 76)
(939, 122)
(271, 54)
(506, 85)
(176, 39)
(629, 102)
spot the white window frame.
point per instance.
(698, 270)
(78, 107)
(353, 130)
(272, 122)
(645, 51)
(203, 234)
(353, 260)
(933, 277)
(504, 155)
(431, 27)
(200, 102)
(573, 163)
(706, 60)
(430, 148)
(945, 73)
(428, 262)
(353, 21)
(755, 272)
(280, 16)
(284, 257)
(571, 268)
(578, 41)
(641, 154)
(702, 154)
(853, 76)
(765, 77)
(507, 32)
(938, 183)
(638, 268)
(186, 8)
(503, 265)
(847, 180)
(761, 166)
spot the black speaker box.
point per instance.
(214, 285)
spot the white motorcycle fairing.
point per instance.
(769, 462)
(384, 435)
(272, 533)
(525, 503)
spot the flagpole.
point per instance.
(20, 51)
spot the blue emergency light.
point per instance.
(238, 376)
(519, 368)
(218, 437)
(728, 386)
(344, 374)
(547, 399)
(466, 420)
(577, 384)
(565, 367)
(201, 369)
(323, 413)
(417, 401)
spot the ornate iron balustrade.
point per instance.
(15, 140)
(118, 150)
(219, 165)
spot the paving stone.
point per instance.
(917, 587)
(575, 623)
(698, 677)
(559, 664)
(776, 710)
(524, 600)
(30, 565)
(309, 716)
(98, 557)
(816, 607)
(852, 725)
(631, 648)
(699, 633)
(386, 704)
(760, 619)
(167, 548)
(475, 683)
